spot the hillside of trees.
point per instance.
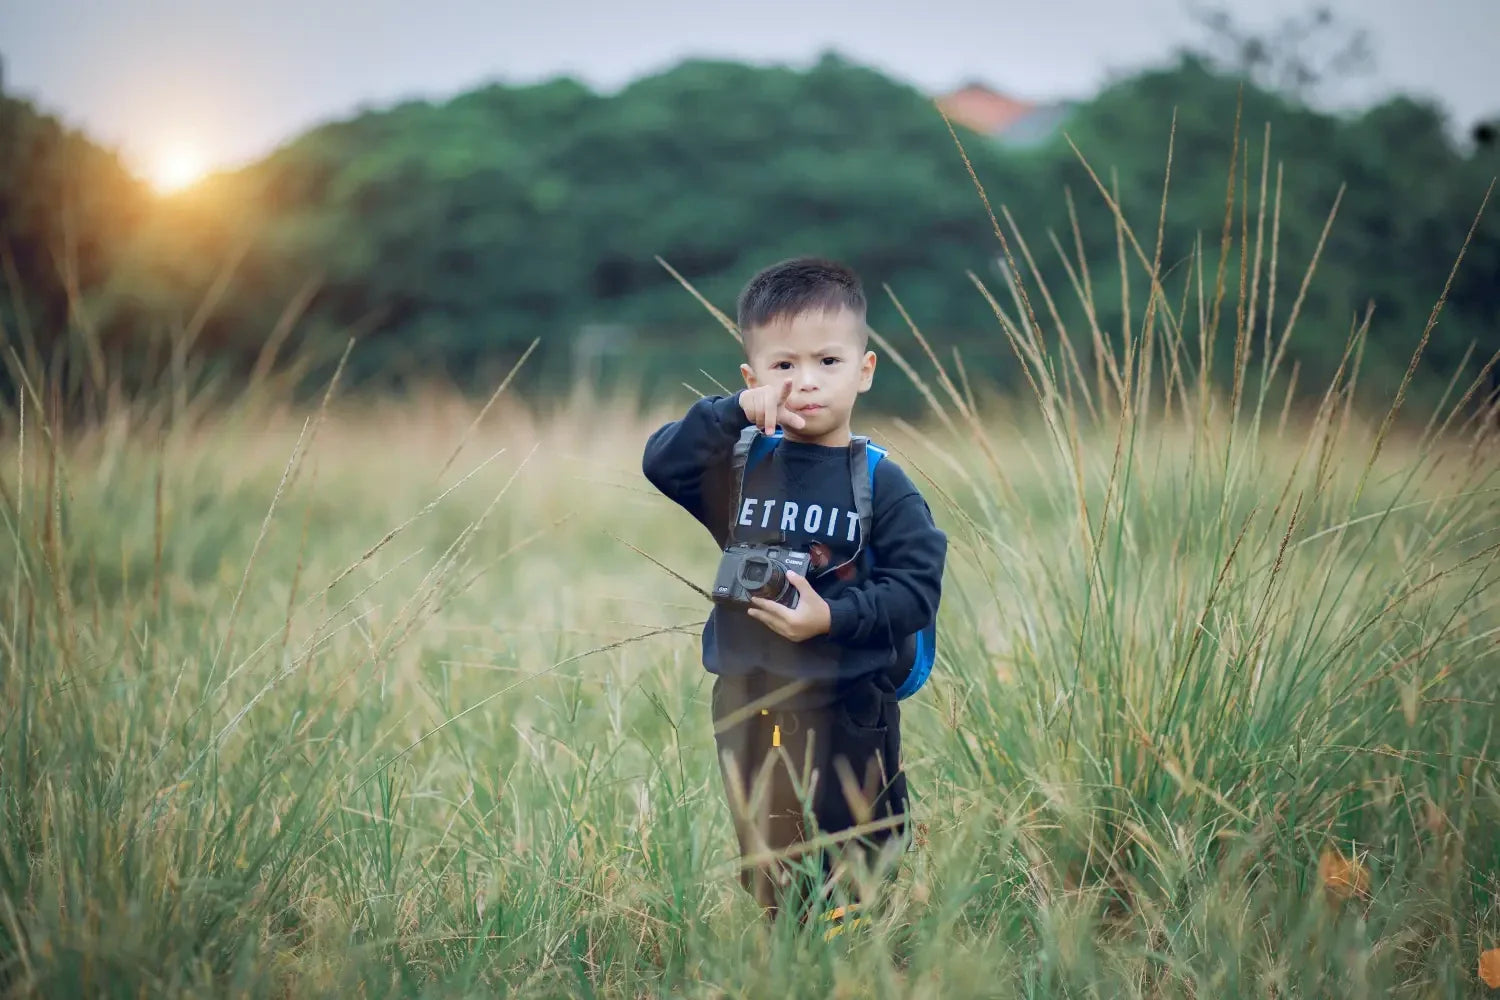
(449, 235)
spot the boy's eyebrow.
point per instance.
(833, 348)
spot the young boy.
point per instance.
(810, 687)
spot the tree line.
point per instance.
(447, 236)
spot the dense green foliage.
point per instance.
(68, 210)
(448, 236)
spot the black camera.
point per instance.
(748, 571)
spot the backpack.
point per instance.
(918, 651)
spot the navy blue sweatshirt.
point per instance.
(803, 494)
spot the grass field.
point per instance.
(291, 710)
(380, 699)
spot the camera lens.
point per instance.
(763, 577)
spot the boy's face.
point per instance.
(822, 353)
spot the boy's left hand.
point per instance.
(809, 618)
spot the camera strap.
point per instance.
(754, 446)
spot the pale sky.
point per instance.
(229, 81)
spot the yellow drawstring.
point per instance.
(775, 730)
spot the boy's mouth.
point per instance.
(809, 408)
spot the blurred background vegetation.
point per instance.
(448, 236)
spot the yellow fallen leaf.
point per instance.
(1489, 968)
(839, 928)
(1341, 876)
(839, 912)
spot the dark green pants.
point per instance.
(800, 762)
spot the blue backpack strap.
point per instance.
(748, 450)
(862, 459)
(923, 645)
(864, 494)
(923, 656)
(875, 453)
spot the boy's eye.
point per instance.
(782, 364)
(830, 361)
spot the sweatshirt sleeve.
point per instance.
(689, 460)
(902, 592)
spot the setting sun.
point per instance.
(175, 168)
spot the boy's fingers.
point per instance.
(786, 389)
(792, 418)
(767, 609)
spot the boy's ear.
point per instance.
(748, 374)
(866, 371)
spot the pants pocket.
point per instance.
(865, 781)
(861, 711)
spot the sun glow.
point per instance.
(175, 168)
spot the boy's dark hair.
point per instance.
(801, 285)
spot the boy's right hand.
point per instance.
(765, 405)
